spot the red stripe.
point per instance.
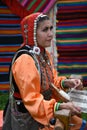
(4, 88)
(5, 59)
(62, 8)
(27, 4)
(71, 11)
(16, 8)
(60, 59)
(44, 5)
(72, 48)
(67, 23)
(9, 21)
(32, 9)
(71, 21)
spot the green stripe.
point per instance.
(66, 39)
(69, 43)
(70, 66)
(82, 3)
(31, 4)
(69, 28)
(39, 6)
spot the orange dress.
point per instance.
(28, 81)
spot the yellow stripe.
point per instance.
(74, 66)
(4, 69)
(4, 86)
(70, 1)
(8, 48)
(10, 31)
(67, 75)
(83, 40)
(6, 11)
(74, 30)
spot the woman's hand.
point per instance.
(70, 105)
(73, 83)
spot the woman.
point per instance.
(33, 85)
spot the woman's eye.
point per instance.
(51, 27)
(45, 29)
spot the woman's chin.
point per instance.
(48, 45)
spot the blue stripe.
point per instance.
(85, 77)
(9, 15)
(4, 82)
(4, 91)
(70, 43)
(9, 28)
(70, 27)
(72, 4)
(5, 64)
(10, 25)
(9, 18)
(11, 35)
(5, 7)
(6, 53)
(71, 64)
(10, 45)
(3, 73)
(6, 57)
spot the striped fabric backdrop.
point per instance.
(10, 40)
(11, 13)
(37, 5)
(26, 7)
(71, 35)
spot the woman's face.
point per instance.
(44, 33)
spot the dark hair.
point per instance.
(41, 19)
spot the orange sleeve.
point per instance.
(27, 79)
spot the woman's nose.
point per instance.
(50, 33)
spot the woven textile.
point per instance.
(37, 5)
(71, 34)
(26, 7)
(11, 13)
(10, 40)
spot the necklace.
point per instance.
(46, 71)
